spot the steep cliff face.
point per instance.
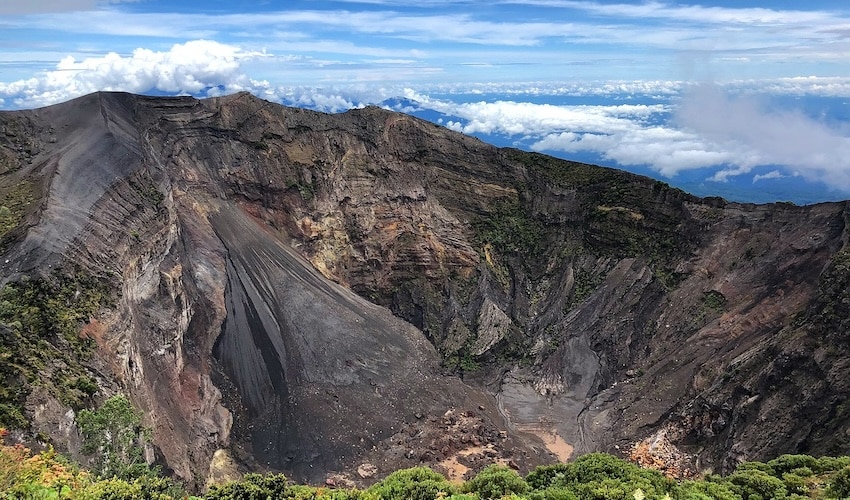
(310, 292)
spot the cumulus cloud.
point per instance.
(187, 68)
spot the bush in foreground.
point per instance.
(47, 475)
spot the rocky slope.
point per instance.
(327, 294)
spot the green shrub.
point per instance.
(40, 321)
(148, 487)
(756, 466)
(601, 466)
(11, 417)
(839, 485)
(547, 475)
(552, 493)
(795, 484)
(417, 483)
(510, 229)
(755, 484)
(496, 481)
(787, 463)
(251, 487)
(603, 476)
(302, 492)
(111, 489)
(831, 464)
(803, 472)
(705, 490)
(605, 489)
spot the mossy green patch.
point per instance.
(584, 284)
(562, 172)
(146, 188)
(40, 319)
(509, 229)
(829, 313)
(14, 204)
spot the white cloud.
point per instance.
(665, 150)
(773, 174)
(764, 136)
(460, 27)
(798, 85)
(528, 119)
(698, 13)
(185, 68)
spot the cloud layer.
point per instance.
(759, 135)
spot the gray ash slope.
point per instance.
(507, 291)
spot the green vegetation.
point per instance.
(146, 188)
(496, 481)
(839, 487)
(714, 301)
(418, 483)
(260, 145)
(253, 486)
(114, 436)
(562, 172)
(600, 476)
(509, 230)
(622, 232)
(14, 205)
(595, 476)
(712, 304)
(462, 361)
(831, 311)
(585, 283)
(306, 189)
(40, 343)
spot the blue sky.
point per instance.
(726, 89)
(317, 42)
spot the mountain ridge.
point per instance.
(558, 299)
